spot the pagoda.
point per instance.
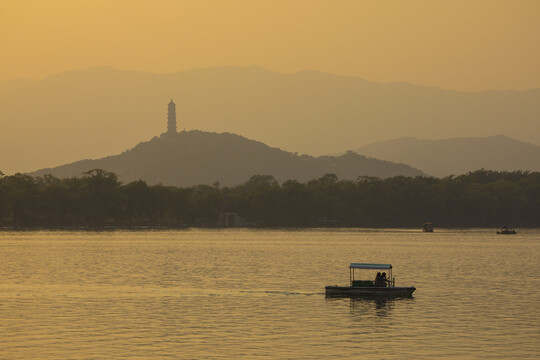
(171, 118)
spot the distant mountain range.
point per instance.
(197, 157)
(96, 112)
(458, 155)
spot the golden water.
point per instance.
(255, 294)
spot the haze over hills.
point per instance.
(458, 155)
(14, 84)
(195, 157)
(100, 111)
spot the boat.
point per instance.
(381, 286)
(506, 231)
(428, 227)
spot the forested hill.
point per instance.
(196, 157)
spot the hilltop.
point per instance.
(197, 157)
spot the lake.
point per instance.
(259, 294)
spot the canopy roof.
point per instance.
(370, 266)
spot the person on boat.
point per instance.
(384, 280)
(378, 279)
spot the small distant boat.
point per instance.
(506, 231)
(428, 227)
(381, 286)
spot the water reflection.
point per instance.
(369, 307)
(363, 307)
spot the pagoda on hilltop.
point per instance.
(171, 118)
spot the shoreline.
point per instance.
(208, 227)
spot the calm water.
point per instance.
(253, 294)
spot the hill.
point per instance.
(100, 111)
(197, 157)
(458, 155)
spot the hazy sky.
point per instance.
(464, 45)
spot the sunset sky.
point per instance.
(462, 45)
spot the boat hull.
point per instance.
(351, 291)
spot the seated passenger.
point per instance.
(384, 280)
(378, 280)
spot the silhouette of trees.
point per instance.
(137, 202)
(100, 193)
(98, 199)
(21, 196)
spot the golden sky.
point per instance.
(462, 45)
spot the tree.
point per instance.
(137, 200)
(21, 194)
(101, 195)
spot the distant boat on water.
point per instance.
(428, 227)
(506, 231)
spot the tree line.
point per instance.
(97, 199)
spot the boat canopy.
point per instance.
(370, 266)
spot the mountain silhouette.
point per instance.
(458, 155)
(196, 157)
(101, 111)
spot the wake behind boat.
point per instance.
(381, 286)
